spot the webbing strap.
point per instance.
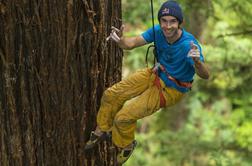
(158, 84)
(179, 83)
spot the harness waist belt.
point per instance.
(179, 83)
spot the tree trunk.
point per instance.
(54, 66)
(196, 13)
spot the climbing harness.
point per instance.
(157, 82)
(179, 83)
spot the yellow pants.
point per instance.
(143, 99)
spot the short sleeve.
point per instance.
(148, 35)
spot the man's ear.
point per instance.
(181, 25)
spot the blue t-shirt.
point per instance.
(174, 56)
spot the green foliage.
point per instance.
(234, 12)
(138, 12)
(217, 128)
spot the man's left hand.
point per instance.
(194, 53)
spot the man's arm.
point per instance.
(201, 69)
(126, 43)
(129, 43)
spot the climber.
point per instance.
(179, 57)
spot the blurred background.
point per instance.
(212, 126)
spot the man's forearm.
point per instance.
(126, 43)
(201, 70)
(129, 43)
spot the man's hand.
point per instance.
(200, 67)
(126, 43)
(116, 34)
(194, 53)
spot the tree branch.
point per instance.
(235, 33)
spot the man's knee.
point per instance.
(122, 120)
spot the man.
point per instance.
(146, 91)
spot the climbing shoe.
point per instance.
(94, 140)
(125, 153)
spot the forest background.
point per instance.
(212, 126)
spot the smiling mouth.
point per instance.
(169, 32)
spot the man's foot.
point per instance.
(95, 138)
(125, 153)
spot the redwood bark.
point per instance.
(54, 66)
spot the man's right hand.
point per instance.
(126, 43)
(116, 34)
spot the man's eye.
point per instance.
(164, 21)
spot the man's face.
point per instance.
(169, 25)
